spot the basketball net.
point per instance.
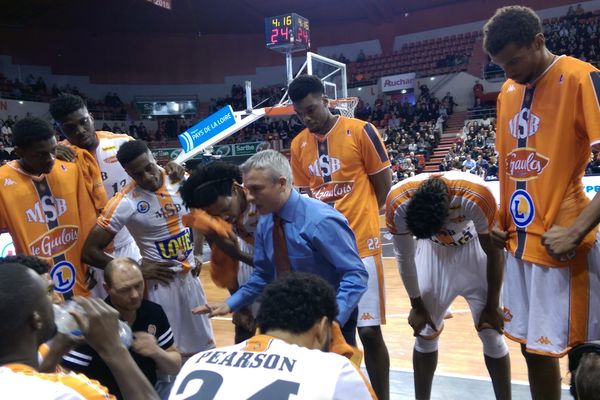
(346, 107)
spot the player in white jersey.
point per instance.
(14, 385)
(452, 215)
(151, 208)
(216, 188)
(286, 360)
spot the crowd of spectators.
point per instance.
(412, 132)
(576, 34)
(474, 150)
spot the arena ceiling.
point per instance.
(203, 17)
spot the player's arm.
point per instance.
(93, 248)
(343, 254)
(404, 250)
(99, 326)
(230, 247)
(167, 360)
(382, 182)
(376, 162)
(491, 316)
(560, 241)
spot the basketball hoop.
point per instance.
(346, 106)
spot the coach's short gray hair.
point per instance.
(271, 161)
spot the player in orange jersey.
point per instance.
(342, 161)
(548, 117)
(28, 321)
(45, 206)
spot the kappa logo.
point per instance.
(152, 329)
(522, 208)
(524, 124)
(324, 166)
(366, 316)
(511, 88)
(543, 340)
(525, 163)
(9, 182)
(63, 275)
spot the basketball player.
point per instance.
(216, 188)
(28, 322)
(548, 117)
(342, 161)
(77, 124)
(287, 359)
(45, 206)
(452, 215)
(151, 208)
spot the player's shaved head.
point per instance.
(24, 308)
(117, 264)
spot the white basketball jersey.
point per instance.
(14, 385)
(472, 207)
(267, 368)
(114, 176)
(154, 221)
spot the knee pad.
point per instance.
(494, 345)
(425, 345)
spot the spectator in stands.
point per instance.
(444, 166)
(361, 56)
(469, 164)
(4, 155)
(492, 170)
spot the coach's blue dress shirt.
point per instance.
(320, 241)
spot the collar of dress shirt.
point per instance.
(286, 213)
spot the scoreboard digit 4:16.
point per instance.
(289, 31)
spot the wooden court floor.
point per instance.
(460, 349)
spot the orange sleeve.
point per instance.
(374, 154)
(299, 173)
(589, 101)
(90, 389)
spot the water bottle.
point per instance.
(65, 323)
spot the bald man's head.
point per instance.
(124, 284)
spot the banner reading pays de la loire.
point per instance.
(207, 129)
(398, 82)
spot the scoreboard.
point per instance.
(287, 32)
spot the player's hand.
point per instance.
(244, 319)
(499, 237)
(491, 318)
(212, 309)
(159, 271)
(560, 243)
(65, 153)
(175, 171)
(418, 318)
(99, 324)
(144, 344)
